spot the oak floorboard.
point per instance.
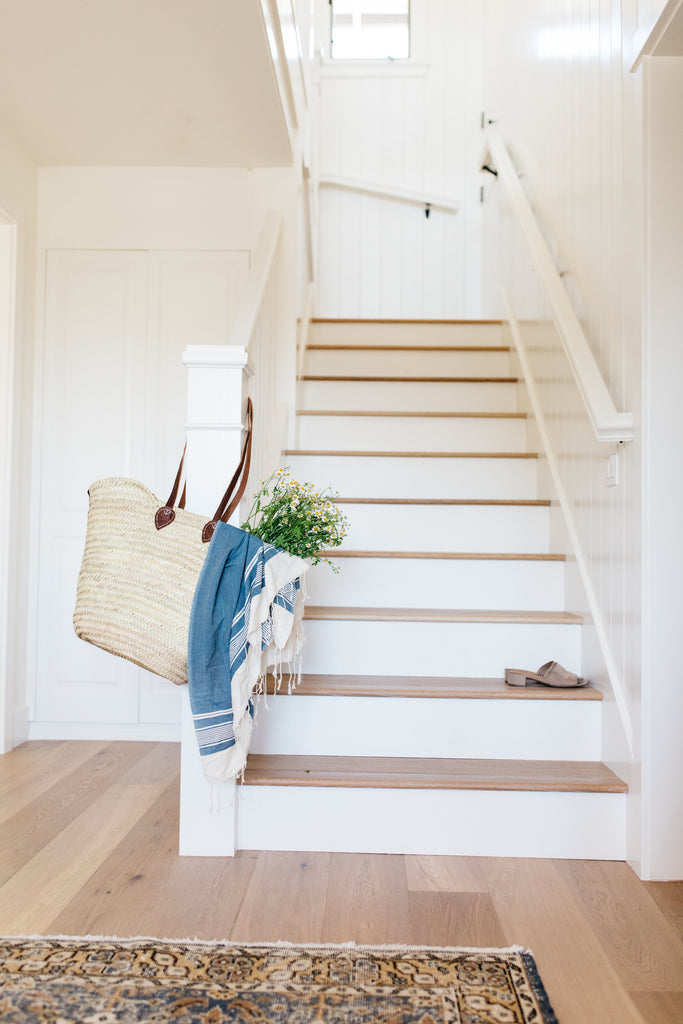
(160, 764)
(453, 687)
(537, 910)
(367, 899)
(668, 896)
(145, 888)
(430, 773)
(121, 896)
(285, 898)
(25, 774)
(43, 819)
(440, 874)
(643, 947)
(454, 919)
(659, 1007)
(35, 894)
(115, 870)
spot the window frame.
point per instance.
(366, 60)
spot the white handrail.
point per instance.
(272, 17)
(257, 281)
(400, 195)
(608, 424)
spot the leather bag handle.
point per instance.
(165, 515)
(230, 500)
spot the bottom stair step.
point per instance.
(432, 773)
(425, 806)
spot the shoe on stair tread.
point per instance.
(550, 674)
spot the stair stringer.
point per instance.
(597, 660)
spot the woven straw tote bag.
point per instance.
(140, 567)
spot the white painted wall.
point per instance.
(564, 102)
(558, 85)
(18, 190)
(413, 126)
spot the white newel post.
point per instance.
(216, 390)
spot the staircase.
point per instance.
(403, 736)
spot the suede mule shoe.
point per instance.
(550, 674)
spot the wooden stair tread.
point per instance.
(534, 502)
(414, 415)
(379, 320)
(407, 348)
(359, 614)
(411, 455)
(432, 773)
(447, 687)
(465, 556)
(409, 380)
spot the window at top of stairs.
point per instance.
(370, 29)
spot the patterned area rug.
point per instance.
(109, 981)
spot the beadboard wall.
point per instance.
(18, 197)
(412, 126)
(557, 83)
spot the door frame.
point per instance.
(8, 349)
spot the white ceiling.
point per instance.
(141, 83)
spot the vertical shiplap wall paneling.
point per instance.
(556, 77)
(415, 128)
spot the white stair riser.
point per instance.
(447, 527)
(396, 477)
(332, 333)
(439, 583)
(580, 826)
(372, 362)
(483, 649)
(406, 433)
(413, 397)
(433, 727)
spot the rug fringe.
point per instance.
(279, 944)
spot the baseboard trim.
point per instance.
(165, 732)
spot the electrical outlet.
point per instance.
(612, 474)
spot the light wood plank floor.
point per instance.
(89, 846)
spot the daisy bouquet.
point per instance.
(296, 517)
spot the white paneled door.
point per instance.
(113, 404)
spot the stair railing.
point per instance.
(603, 422)
(398, 195)
(608, 424)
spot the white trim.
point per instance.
(276, 45)
(151, 732)
(214, 356)
(608, 425)
(401, 195)
(373, 68)
(303, 328)
(22, 724)
(596, 613)
(257, 282)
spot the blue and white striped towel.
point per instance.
(246, 617)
